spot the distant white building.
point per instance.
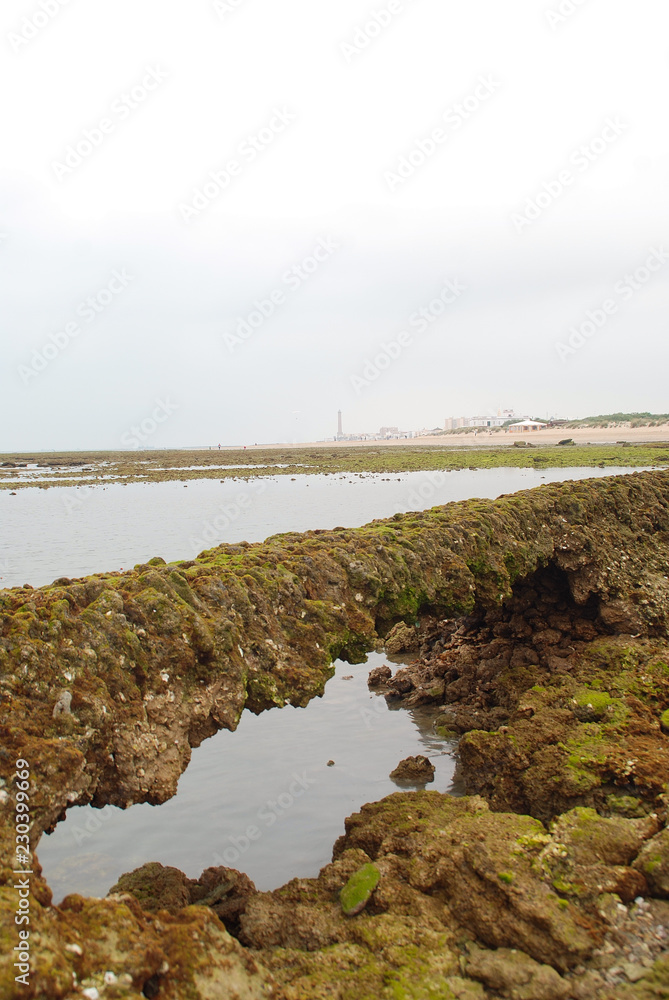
(486, 421)
(452, 423)
(526, 426)
(502, 417)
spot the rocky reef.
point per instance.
(98, 469)
(548, 648)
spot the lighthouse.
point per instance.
(340, 429)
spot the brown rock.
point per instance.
(225, 891)
(417, 770)
(402, 638)
(515, 975)
(653, 863)
(591, 838)
(379, 675)
(621, 617)
(156, 887)
(547, 637)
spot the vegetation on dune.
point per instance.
(633, 419)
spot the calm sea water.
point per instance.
(262, 799)
(70, 531)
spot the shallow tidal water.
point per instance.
(76, 531)
(262, 799)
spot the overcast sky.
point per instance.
(231, 219)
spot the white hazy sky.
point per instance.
(350, 106)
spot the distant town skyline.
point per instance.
(386, 432)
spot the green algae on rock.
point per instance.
(556, 753)
(454, 849)
(557, 712)
(358, 890)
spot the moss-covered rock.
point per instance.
(653, 863)
(548, 759)
(402, 638)
(189, 956)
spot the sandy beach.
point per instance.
(488, 439)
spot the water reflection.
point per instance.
(262, 799)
